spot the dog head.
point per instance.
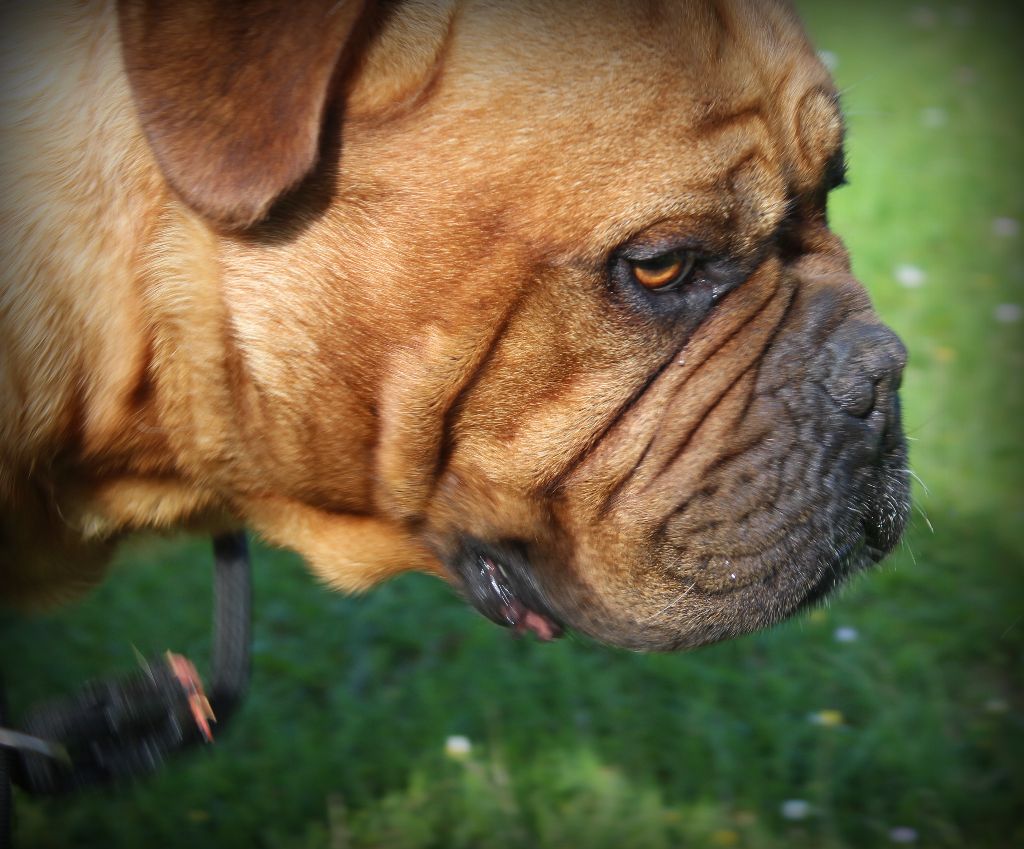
(550, 289)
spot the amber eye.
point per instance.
(663, 272)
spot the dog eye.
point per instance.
(664, 272)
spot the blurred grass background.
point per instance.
(893, 716)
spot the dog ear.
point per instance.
(231, 93)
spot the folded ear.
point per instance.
(231, 93)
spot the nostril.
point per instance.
(862, 368)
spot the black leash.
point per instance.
(127, 727)
(232, 624)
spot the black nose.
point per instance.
(863, 364)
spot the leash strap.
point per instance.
(232, 624)
(127, 727)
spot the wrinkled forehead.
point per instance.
(633, 108)
(677, 51)
(696, 24)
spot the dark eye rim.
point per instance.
(712, 274)
(685, 258)
(622, 263)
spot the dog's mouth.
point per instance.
(498, 583)
(514, 584)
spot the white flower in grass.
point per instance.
(909, 275)
(934, 117)
(795, 809)
(829, 59)
(1007, 313)
(1005, 227)
(846, 634)
(457, 747)
(903, 834)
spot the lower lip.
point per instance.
(491, 571)
(519, 617)
(544, 629)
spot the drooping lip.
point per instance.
(497, 581)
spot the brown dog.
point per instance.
(537, 296)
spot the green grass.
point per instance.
(342, 741)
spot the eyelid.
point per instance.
(647, 252)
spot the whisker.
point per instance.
(917, 477)
(924, 516)
(906, 547)
(910, 429)
(671, 604)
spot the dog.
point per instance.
(537, 297)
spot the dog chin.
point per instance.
(691, 602)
